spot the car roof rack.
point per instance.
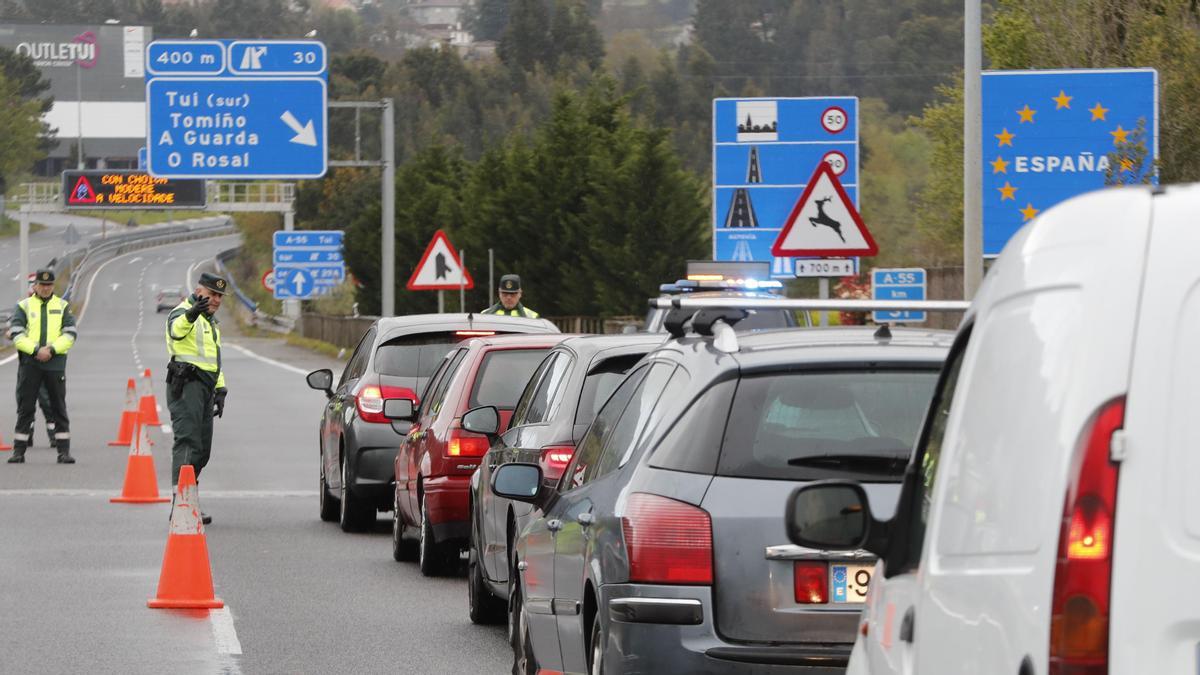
(705, 319)
(675, 321)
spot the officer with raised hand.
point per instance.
(194, 375)
(43, 331)
(510, 299)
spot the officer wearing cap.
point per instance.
(196, 380)
(510, 299)
(43, 331)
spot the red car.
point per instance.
(437, 458)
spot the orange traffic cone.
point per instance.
(148, 407)
(186, 578)
(4, 447)
(141, 485)
(128, 416)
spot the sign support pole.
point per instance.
(23, 276)
(491, 272)
(441, 302)
(972, 150)
(388, 277)
(824, 295)
(291, 308)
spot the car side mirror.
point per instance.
(518, 482)
(832, 515)
(321, 380)
(483, 420)
(400, 409)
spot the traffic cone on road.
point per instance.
(128, 416)
(186, 578)
(3, 446)
(141, 484)
(147, 406)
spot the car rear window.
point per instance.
(812, 425)
(600, 383)
(414, 355)
(503, 375)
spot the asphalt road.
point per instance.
(302, 597)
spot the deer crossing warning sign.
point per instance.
(824, 222)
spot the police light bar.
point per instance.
(813, 305)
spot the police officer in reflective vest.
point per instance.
(510, 299)
(196, 382)
(43, 331)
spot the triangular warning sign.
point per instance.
(440, 269)
(82, 193)
(824, 222)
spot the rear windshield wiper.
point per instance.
(886, 464)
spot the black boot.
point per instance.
(18, 456)
(64, 453)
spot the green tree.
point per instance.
(488, 18)
(29, 86)
(21, 130)
(526, 39)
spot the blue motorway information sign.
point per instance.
(307, 263)
(898, 284)
(252, 109)
(1049, 135)
(764, 152)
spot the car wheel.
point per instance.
(329, 505)
(430, 557)
(402, 549)
(524, 662)
(351, 515)
(596, 649)
(483, 607)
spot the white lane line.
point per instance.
(224, 634)
(273, 362)
(108, 492)
(8, 359)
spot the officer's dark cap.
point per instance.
(214, 283)
(44, 276)
(510, 283)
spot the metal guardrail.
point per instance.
(271, 321)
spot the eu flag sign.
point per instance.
(1049, 135)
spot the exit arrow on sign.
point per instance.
(305, 135)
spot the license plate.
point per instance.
(849, 583)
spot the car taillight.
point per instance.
(554, 460)
(668, 541)
(466, 444)
(369, 401)
(1082, 579)
(811, 579)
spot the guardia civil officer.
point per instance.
(510, 299)
(196, 381)
(43, 331)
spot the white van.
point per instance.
(1049, 521)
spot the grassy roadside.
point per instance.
(12, 228)
(142, 217)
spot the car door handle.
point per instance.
(906, 626)
(585, 519)
(554, 524)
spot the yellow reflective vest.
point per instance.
(520, 311)
(38, 323)
(196, 343)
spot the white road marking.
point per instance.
(8, 359)
(273, 362)
(134, 260)
(107, 492)
(224, 634)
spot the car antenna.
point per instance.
(884, 333)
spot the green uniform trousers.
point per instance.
(192, 422)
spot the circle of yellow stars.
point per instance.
(1026, 115)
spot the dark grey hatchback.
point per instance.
(663, 549)
(357, 441)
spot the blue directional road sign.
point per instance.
(258, 110)
(764, 151)
(1049, 135)
(898, 284)
(307, 262)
